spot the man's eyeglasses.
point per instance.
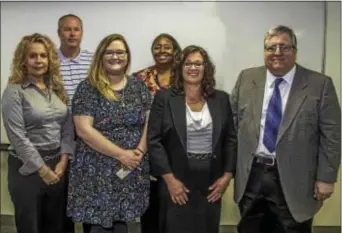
(118, 53)
(282, 48)
(197, 65)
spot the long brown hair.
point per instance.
(208, 81)
(53, 79)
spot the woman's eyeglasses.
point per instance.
(118, 53)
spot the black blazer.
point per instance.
(167, 135)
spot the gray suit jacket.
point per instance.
(309, 139)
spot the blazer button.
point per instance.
(214, 156)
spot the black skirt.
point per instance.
(197, 215)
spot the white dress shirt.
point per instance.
(284, 87)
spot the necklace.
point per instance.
(121, 93)
(196, 106)
(122, 97)
(159, 83)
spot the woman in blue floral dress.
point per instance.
(109, 177)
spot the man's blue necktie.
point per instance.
(273, 118)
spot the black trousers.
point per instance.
(197, 215)
(118, 227)
(69, 226)
(39, 208)
(149, 221)
(263, 207)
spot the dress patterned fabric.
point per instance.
(96, 194)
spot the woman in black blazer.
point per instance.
(192, 146)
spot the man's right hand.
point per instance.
(177, 189)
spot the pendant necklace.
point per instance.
(122, 95)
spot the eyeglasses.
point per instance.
(282, 48)
(111, 53)
(197, 65)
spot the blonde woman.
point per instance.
(40, 130)
(109, 179)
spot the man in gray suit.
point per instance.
(289, 140)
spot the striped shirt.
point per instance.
(74, 71)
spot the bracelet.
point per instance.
(141, 151)
(42, 175)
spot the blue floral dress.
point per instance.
(96, 195)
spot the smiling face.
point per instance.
(193, 68)
(280, 54)
(162, 51)
(37, 61)
(115, 58)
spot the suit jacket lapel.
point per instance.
(258, 96)
(215, 112)
(177, 103)
(295, 100)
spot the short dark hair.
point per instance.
(67, 16)
(280, 29)
(208, 81)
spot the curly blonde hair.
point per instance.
(97, 77)
(54, 79)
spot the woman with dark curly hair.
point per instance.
(166, 54)
(192, 146)
(40, 130)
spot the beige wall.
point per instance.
(330, 214)
(6, 204)
(333, 44)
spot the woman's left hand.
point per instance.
(218, 188)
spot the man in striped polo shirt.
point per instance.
(75, 62)
(74, 67)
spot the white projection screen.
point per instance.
(232, 32)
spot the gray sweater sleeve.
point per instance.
(12, 113)
(68, 136)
